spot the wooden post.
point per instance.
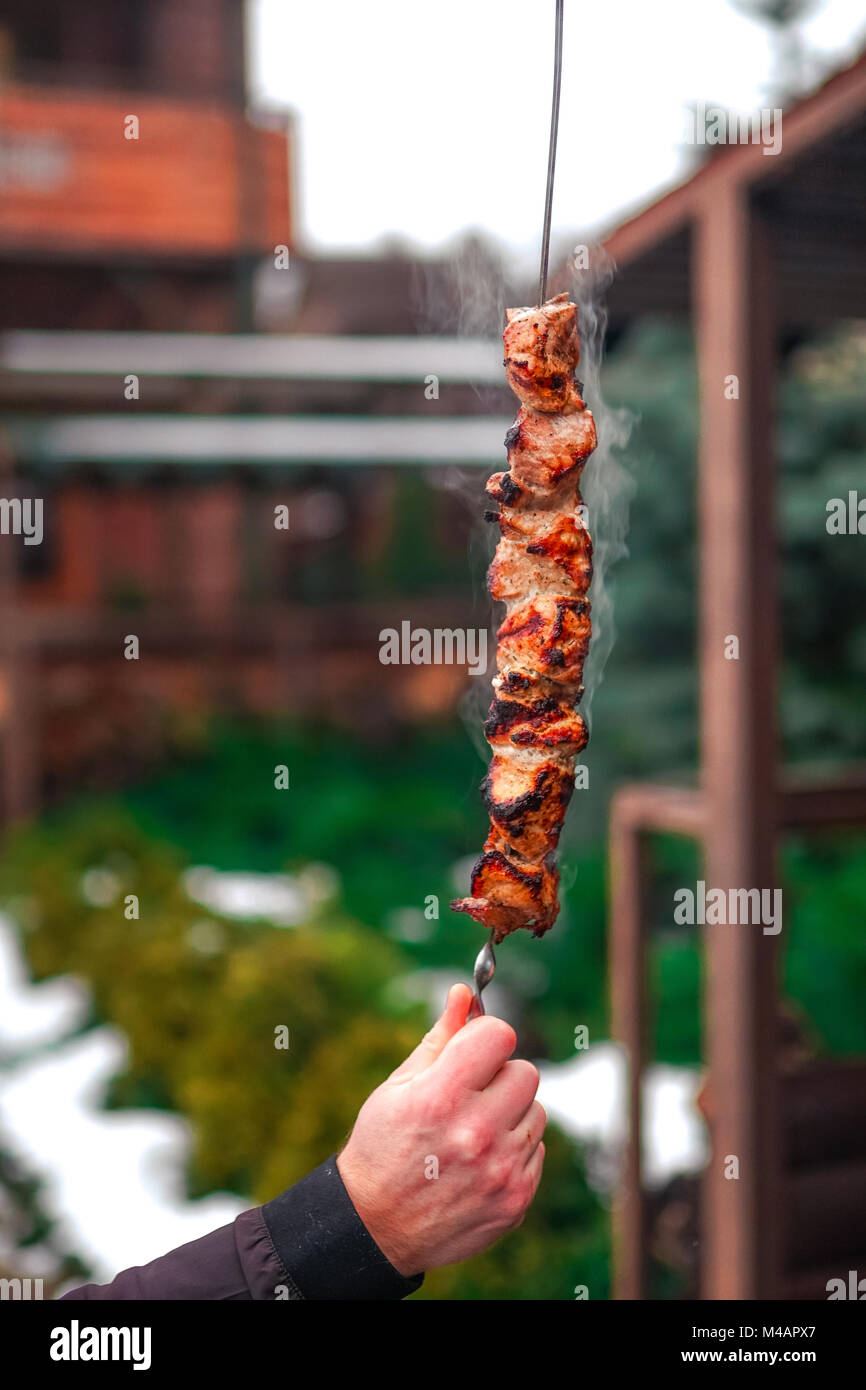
(629, 1028)
(736, 360)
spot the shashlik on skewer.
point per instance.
(542, 571)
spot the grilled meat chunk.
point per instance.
(544, 449)
(541, 353)
(542, 571)
(547, 636)
(509, 893)
(527, 801)
(543, 723)
(533, 542)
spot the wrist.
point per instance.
(374, 1217)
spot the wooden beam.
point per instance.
(835, 107)
(735, 332)
(322, 357)
(654, 806)
(629, 1021)
(827, 804)
(803, 804)
(208, 441)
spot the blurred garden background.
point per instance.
(371, 827)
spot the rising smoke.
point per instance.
(469, 297)
(606, 486)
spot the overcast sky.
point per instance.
(421, 120)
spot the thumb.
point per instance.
(450, 1022)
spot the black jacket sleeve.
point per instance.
(308, 1243)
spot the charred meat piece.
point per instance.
(542, 571)
(508, 893)
(502, 488)
(544, 724)
(543, 448)
(541, 352)
(515, 571)
(527, 803)
(547, 636)
(559, 538)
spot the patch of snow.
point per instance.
(34, 1015)
(587, 1097)
(113, 1180)
(275, 898)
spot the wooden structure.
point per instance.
(257, 386)
(188, 178)
(137, 189)
(160, 520)
(756, 248)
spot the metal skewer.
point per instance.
(551, 154)
(485, 967)
(485, 963)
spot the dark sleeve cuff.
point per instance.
(325, 1245)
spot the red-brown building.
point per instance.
(136, 188)
(136, 193)
(167, 382)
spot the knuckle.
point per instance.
(499, 1171)
(515, 1203)
(472, 1141)
(461, 1142)
(438, 1105)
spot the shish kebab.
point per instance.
(542, 570)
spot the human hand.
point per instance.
(446, 1155)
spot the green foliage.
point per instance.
(825, 964)
(394, 818)
(408, 802)
(200, 1022)
(645, 715)
(199, 1009)
(822, 441)
(418, 556)
(824, 970)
